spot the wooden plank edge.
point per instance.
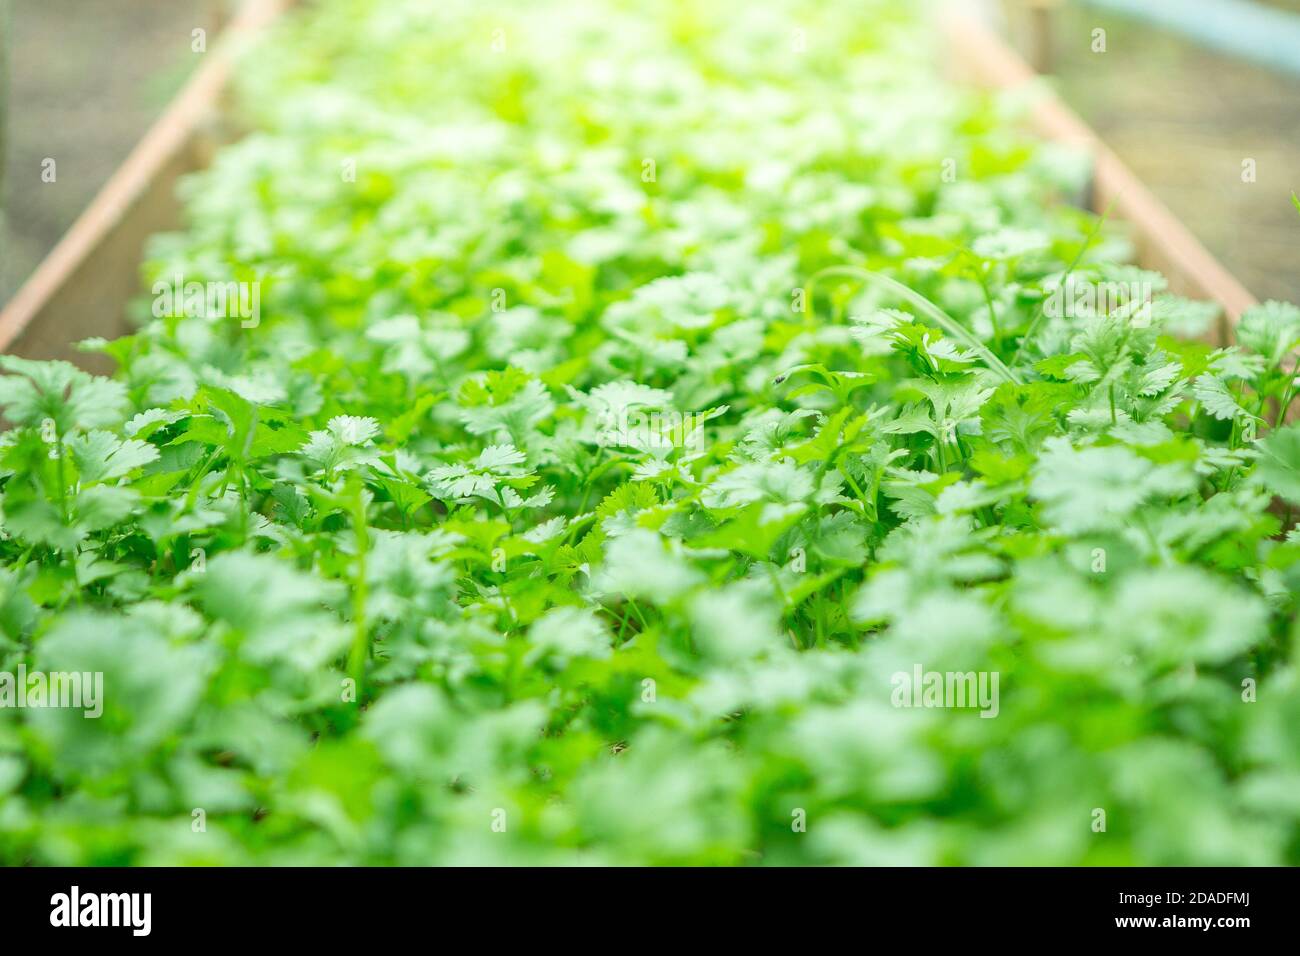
(173, 144)
(1164, 242)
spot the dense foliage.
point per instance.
(638, 388)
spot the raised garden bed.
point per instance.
(695, 439)
(85, 285)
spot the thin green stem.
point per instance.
(61, 474)
(1284, 402)
(1083, 250)
(993, 315)
(928, 309)
(360, 635)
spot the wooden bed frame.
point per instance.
(83, 287)
(979, 57)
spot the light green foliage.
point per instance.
(638, 389)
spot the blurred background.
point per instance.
(1185, 91)
(82, 81)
